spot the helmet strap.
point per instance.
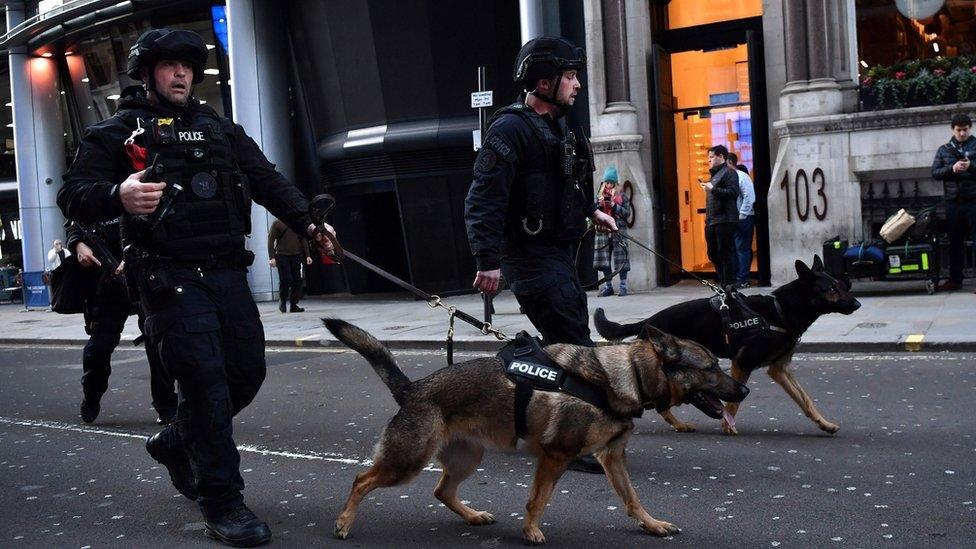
(561, 108)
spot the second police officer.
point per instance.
(184, 223)
(527, 207)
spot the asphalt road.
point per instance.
(900, 473)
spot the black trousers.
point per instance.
(290, 277)
(720, 242)
(961, 226)
(105, 315)
(545, 284)
(210, 338)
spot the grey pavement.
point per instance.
(893, 316)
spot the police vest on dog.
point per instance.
(531, 368)
(535, 372)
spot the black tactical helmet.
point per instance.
(158, 44)
(546, 57)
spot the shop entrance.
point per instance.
(712, 89)
(709, 91)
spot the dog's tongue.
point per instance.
(729, 418)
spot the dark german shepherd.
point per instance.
(456, 411)
(800, 303)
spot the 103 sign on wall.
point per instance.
(803, 198)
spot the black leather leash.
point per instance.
(320, 207)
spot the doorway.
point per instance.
(709, 90)
(712, 108)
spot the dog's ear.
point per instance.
(804, 272)
(818, 265)
(664, 344)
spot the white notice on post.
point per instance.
(476, 138)
(481, 99)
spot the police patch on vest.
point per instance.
(535, 372)
(204, 185)
(746, 323)
(502, 148)
(190, 136)
(486, 160)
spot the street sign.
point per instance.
(481, 99)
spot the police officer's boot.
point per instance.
(174, 459)
(586, 464)
(623, 288)
(605, 290)
(236, 526)
(281, 307)
(90, 407)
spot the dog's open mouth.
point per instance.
(711, 406)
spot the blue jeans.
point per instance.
(743, 248)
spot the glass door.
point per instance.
(711, 91)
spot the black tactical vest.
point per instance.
(550, 204)
(211, 215)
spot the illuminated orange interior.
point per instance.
(688, 13)
(712, 97)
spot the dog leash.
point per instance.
(610, 244)
(718, 291)
(322, 204)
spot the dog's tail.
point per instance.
(613, 331)
(378, 356)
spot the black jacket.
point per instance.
(720, 202)
(101, 163)
(510, 146)
(957, 186)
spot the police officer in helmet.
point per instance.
(526, 209)
(183, 222)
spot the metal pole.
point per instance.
(482, 127)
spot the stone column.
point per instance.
(39, 147)
(615, 51)
(795, 35)
(617, 45)
(811, 89)
(259, 94)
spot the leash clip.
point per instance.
(135, 133)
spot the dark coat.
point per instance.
(957, 186)
(720, 202)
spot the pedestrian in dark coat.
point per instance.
(721, 214)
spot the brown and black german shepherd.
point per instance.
(456, 411)
(801, 303)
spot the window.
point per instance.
(886, 33)
(689, 13)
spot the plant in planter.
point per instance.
(919, 82)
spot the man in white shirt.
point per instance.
(747, 222)
(56, 255)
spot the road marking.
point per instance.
(914, 342)
(249, 448)
(301, 341)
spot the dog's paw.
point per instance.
(729, 429)
(829, 427)
(685, 427)
(481, 518)
(341, 530)
(533, 536)
(660, 528)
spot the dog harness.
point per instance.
(741, 322)
(532, 369)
